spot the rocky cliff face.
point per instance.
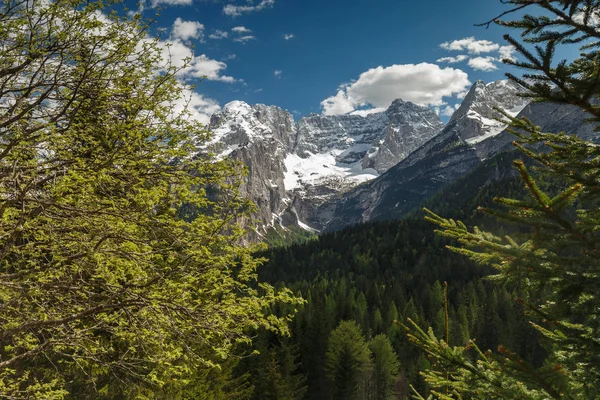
(470, 137)
(327, 172)
(295, 168)
(260, 137)
(378, 140)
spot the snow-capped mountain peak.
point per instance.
(293, 166)
(477, 115)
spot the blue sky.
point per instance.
(333, 56)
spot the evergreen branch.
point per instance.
(511, 11)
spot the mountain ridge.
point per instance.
(327, 172)
(294, 167)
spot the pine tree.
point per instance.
(385, 369)
(555, 257)
(348, 362)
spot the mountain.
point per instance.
(328, 172)
(471, 137)
(295, 168)
(260, 137)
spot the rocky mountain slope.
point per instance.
(470, 137)
(327, 172)
(294, 168)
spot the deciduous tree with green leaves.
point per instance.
(555, 257)
(120, 263)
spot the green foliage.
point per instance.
(348, 362)
(102, 273)
(555, 253)
(218, 383)
(275, 370)
(386, 369)
(394, 268)
(278, 236)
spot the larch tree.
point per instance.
(555, 256)
(120, 262)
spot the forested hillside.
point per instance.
(377, 273)
(382, 272)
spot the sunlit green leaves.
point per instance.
(102, 273)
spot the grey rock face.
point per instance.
(462, 145)
(318, 158)
(260, 137)
(378, 140)
(408, 126)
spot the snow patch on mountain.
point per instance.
(318, 168)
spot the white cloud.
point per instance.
(453, 60)
(483, 63)
(289, 36)
(198, 107)
(230, 57)
(186, 30)
(244, 39)
(461, 95)
(155, 3)
(198, 66)
(241, 29)
(471, 45)
(235, 11)
(364, 113)
(202, 66)
(423, 84)
(449, 110)
(593, 21)
(506, 52)
(219, 34)
(278, 73)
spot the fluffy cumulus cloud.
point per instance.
(424, 84)
(178, 53)
(449, 110)
(235, 11)
(471, 45)
(186, 30)
(289, 36)
(453, 60)
(507, 52)
(593, 18)
(483, 63)
(475, 48)
(278, 73)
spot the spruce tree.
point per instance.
(348, 362)
(385, 369)
(555, 255)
